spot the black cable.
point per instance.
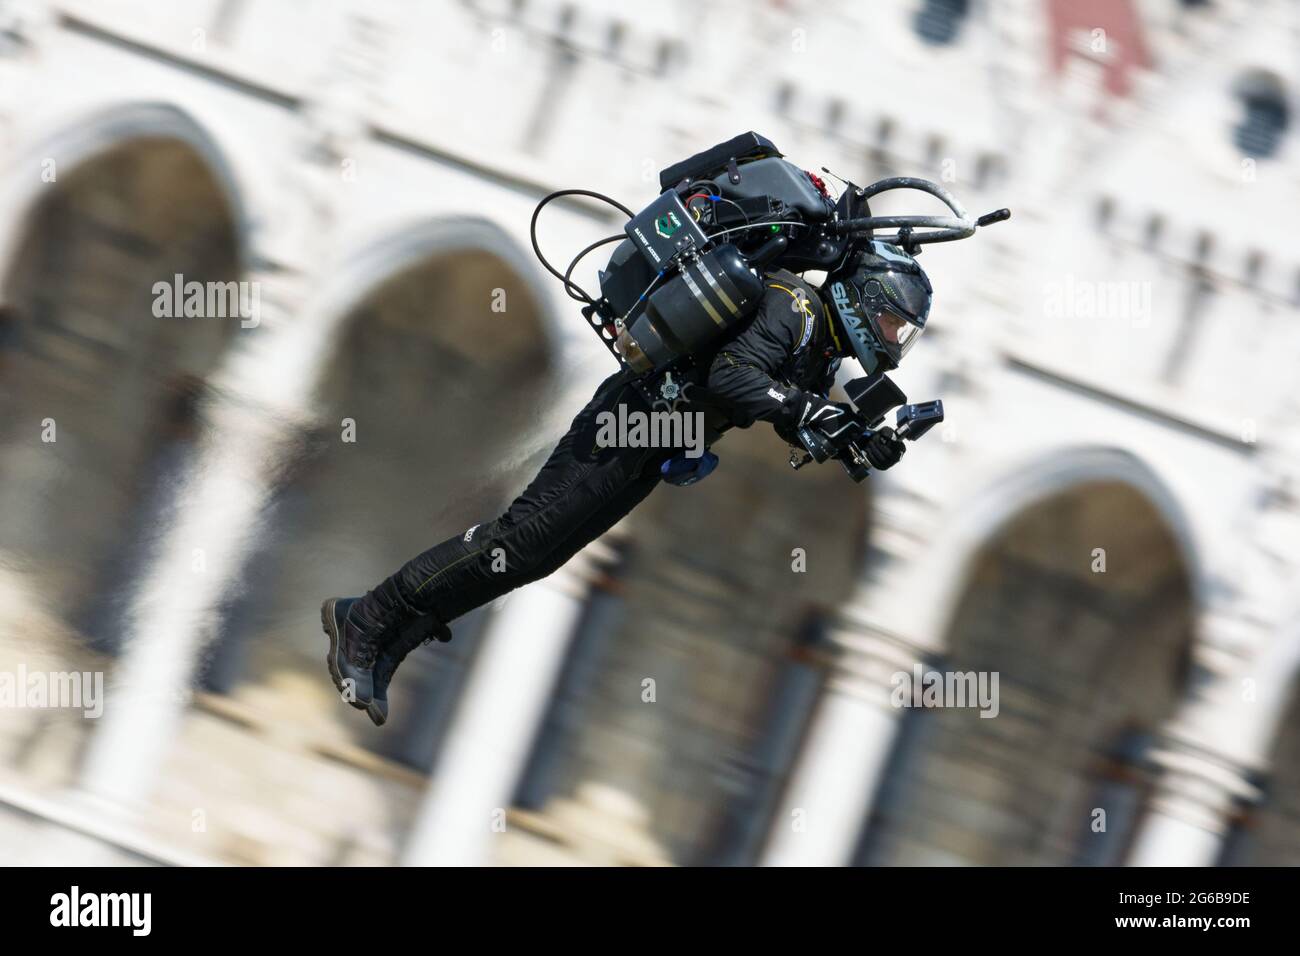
(708, 187)
(569, 286)
(738, 209)
(578, 258)
(644, 293)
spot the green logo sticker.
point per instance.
(667, 224)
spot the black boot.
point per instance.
(392, 652)
(356, 627)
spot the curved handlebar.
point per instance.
(989, 218)
(940, 228)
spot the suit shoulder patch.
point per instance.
(800, 306)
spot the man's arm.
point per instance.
(742, 376)
(742, 372)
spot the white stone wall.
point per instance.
(347, 136)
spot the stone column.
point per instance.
(873, 637)
(265, 393)
(514, 676)
(174, 609)
(1245, 644)
(1188, 818)
(1208, 751)
(852, 735)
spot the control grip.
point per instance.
(915, 420)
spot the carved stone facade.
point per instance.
(1108, 519)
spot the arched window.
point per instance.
(1105, 212)
(784, 98)
(1264, 115)
(939, 21)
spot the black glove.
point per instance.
(884, 448)
(826, 427)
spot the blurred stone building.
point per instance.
(1109, 519)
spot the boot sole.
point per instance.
(331, 631)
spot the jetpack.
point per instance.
(688, 267)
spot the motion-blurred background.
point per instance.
(1109, 520)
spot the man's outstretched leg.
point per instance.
(581, 491)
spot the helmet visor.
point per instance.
(895, 332)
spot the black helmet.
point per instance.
(881, 297)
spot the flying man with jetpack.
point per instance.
(703, 307)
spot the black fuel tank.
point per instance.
(706, 298)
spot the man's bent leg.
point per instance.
(463, 597)
(542, 529)
(562, 547)
(580, 492)
(578, 481)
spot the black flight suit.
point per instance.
(776, 368)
